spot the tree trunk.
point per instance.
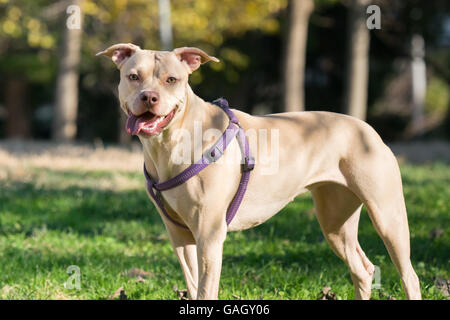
(295, 55)
(66, 104)
(358, 41)
(124, 137)
(165, 25)
(18, 115)
(419, 85)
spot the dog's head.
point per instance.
(153, 84)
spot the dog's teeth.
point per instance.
(155, 123)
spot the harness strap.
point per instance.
(210, 156)
(158, 200)
(213, 154)
(249, 164)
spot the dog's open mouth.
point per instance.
(148, 123)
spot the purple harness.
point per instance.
(233, 130)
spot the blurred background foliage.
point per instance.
(250, 39)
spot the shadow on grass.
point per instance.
(292, 236)
(88, 210)
(83, 210)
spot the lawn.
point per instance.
(100, 220)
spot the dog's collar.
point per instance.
(233, 130)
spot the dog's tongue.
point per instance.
(135, 124)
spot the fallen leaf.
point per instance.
(120, 293)
(436, 233)
(61, 296)
(443, 285)
(138, 273)
(6, 290)
(182, 294)
(237, 297)
(382, 295)
(327, 294)
(123, 296)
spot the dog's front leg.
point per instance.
(209, 252)
(183, 244)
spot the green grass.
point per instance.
(60, 218)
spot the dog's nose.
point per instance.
(150, 97)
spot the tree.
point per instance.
(30, 30)
(295, 56)
(357, 73)
(202, 23)
(419, 85)
(18, 124)
(25, 60)
(165, 25)
(66, 104)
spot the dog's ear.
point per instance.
(119, 53)
(193, 57)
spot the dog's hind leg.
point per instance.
(338, 210)
(391, 222)
(381, 189)
(393, 229)
(185, 248)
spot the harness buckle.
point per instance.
(249, 164)
(213, 154)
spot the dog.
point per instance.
(341, 160)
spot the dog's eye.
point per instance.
(133, 77)
(171, 80)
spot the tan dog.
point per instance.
(340, 159)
